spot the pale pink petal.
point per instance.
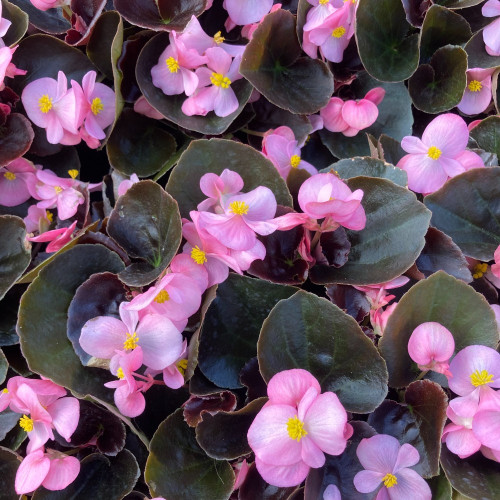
(367, 481)
(410, 485)
(469, 160)
(375, 95)
(491, 37)
(289, 387)
(40, 434)
(65, 413)
(447, 132)
(331, 493)
(67, 203)
(218, 60)
(63, 471)
(491, 8)
(451, 166)
(431, 341)
(247, 11)
(332, 115)
(31, 96)
(414, 145)
(425, 175)
(407, 457)
(486, 428)
(473, 103)
(462, 442)
(225, 102)
(284, 475)
(311, 453)
(130, 404)
(360, 114)
(378, 453)
(103, 335)
(31, 473)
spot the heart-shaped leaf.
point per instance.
(19, 20)
(50, 21)
(9, 463)
(487, 134)
(477, 55)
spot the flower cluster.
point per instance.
(7, 68)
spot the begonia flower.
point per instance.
(248, 30)
(376, 293)
(4, 26)
(379, 318)
(332, 493)
(486, 428)
(126, 184)
(320, 11)
(431, 346)
(142, 107)
(7, 68)
(218, 189)
(38, 219)
(491, 34)
(477, 95)
(458, 435)
(386, 464)
(244, 12)
(15, 181)
(57, 238)
(495, 268)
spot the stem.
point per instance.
(422, 375)
(253, 132)
(171, 162)
(67, 10)
(148, 379)
(315, 240)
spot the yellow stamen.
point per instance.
(218, 38)
(295, 428)
(182, 365)
(295, 161)
(73, 173)
(58, 189)
(475, 86)
(198, 255)
(162, 297)
(389, 480)
(481, 378)
(45, 103)
(323, 2)
(339, 32)
(479, 270)
(10, 176)
(97, 106)
(239, 207)
(219, 80)
(131, 342)
(26, 423)
(434, 153)
(172, 64)
(5, 391)
(119, 373)
(49, 215)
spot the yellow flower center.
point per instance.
(182, 365)
(481, 378)
(475, 86)
(479, 270)
(390, 480)
(219, 80)
(131, 342)
(323, 2)
(49, 215)
(58, 189)
(73, 173)
(5, 391)
(339, 32)
(26, 423)
(198, 255)
(162, 297)
(295, 428)
(172, 64)
(218, 38)
(119, 373)
(295, 161)
(97, 106)
(239, 207)
(434, 153)
(45, 103)
(10, 176)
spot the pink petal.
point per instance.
(491, 37)
(62, 472)
(331, 493)
(289, 387)
(312, 454)
(332, 115)
(491, 8)
(378, 453)
(473, 103)
(469, 160)
(218, 60)
(31, 473)
(462, 442)
(367, 481)
(247, 11)
(375, 95)
(486, 428)
(284, 475)
(261, 204)
(101, 336)
(65, 413)
(425, 175)
(360, 114)
(451, 166)
(31, 96)
(130, 405)
(414, 145)
(407, 456)
(431, 341)
(225, 102)
(447, 132)
(410, 485)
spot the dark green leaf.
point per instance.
(440, 85)
(309, 332)
(147, 224)
(49, 21)
(214, 156)
(16, 136)
(139, 145)
(387, 53)
(178, 469)
(487, 134)
(8, 420)
(9, 462)
(440, 487)
(232, 325)
(43, 316)
(391, 149)
(446, 300)
(15, 254)
(19, 20)
(391, 241)
(458, 4)
(477, 55)
(272, 63)
(4, 365)
(254, 487)
(467, 209)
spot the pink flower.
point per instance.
(458, 435)
(7, 69)
(57, 237)
(376, 293)
(4, 26)
(49, 4)
(281, 147)
(433, 160)
(331, 493)
(15, 179)
(142, 107)
(320, 11)
(486, 428)
(173, 73)
(219, 97)
(38, 219)
(491, 34)
(52, 469)
(160, 341)
(244, 12)
(477, 95)
(386, 463)
(125, 185)
(248, 30)
(495, 268)
(50, 105)
(431, 346)
(296, 427)
(218, 189)
(379, 318)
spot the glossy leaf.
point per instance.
(487, 134)
(439, 85)
(385, 50)
(178, 469)
(170, 106)
(139, 145)
(458, 4)
(43, 316)
(440, 487)
(477, 55)
(147, 224)
(15, 251)
(9, 462)
(214, 156)
(51, 21)
(446, 300)
(254, 487)
(466, 209)
(272, 63)
(391, 241)
(309, 332)
(232, 325)
(8, 317)
(19, 20)
(350, 300)
(16, 136)
(8, 421)
(4, 365)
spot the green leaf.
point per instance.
(214, 156)
(254, 487)
(487, 134)
(391, 241)
(440, 487)
(440, 85)
(100, 476)
(458, 4)
(272, 63)
(466, 208)
(139, 145)
(387, 53)
(232, 325)
(477, 55)
(445, 300)
(19, 20)
(15, 254)
(442, 27)
(170, 106)
(178, 469)
(147, 224)
(309, 332)
(16, 137)
(9, 462)
(50, 21)
(4, 365)
(43, 316)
